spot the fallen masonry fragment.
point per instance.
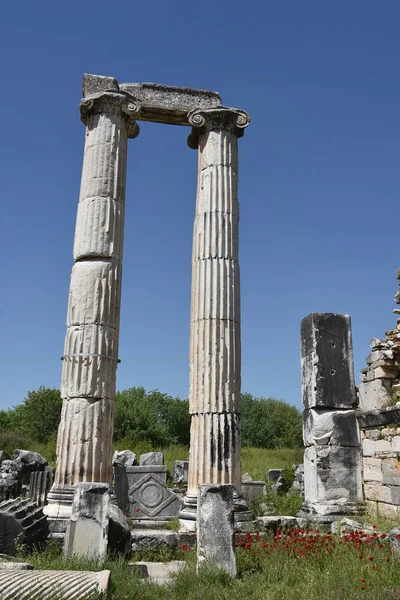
(21, 522)
(51, 585)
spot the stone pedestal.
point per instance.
(84, 451)
(214, 395)
(332, 457)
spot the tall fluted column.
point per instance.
(90, 358)
(214, 396)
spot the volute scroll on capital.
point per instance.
(112, 102)
(216, 119)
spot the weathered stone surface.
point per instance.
(391, 471)
(373, 395)
(26, 462)
(149, 498)
(40, 484)
(372, 469)
(94, 84)
(169, 104)
(180, 471)
(389, 511)
(151, 458)
(379, 417)
(253, 489)
(246, 477)
(390, 494)
(327, 361)
(215, 534)
(10, 480)
(119, 534)
(124, 458)
(273, 523)
(335, 427)
(156, 572)
(15, 566)
(87, 532)
(22, 523)
(332, 475)
(4, 456)
(153, 539)
(274, 474)
(48, 585)
(368, 447)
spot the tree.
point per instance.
(38, 416)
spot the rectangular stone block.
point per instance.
(383, 446)
(87, 531)
(151, 458)
(95, 84)
(382, 493)
(368, 447)
(391, 471)
(373, 395)
(180, 471)
(253, 489)
(169, 104)
(372, 469)
(148, 495)
(327, 361)
(389, 511)
(332, 474)
(215, 528)
(335, 427)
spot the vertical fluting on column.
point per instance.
(214, 394)
(90, 358)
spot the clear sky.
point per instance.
(319, 177)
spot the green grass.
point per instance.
(309, 566)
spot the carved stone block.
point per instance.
(149, 497)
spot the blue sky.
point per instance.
(318, 189)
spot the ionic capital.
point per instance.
(216, 119)
(112, 102)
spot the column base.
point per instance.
(59, 502)
(188, 514)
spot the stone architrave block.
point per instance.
(151, 458)
(327, 361)
(373, 395)
(181, 471)
(332, 475)
(335, 427)
(215, 527)
(51, 585)
(87, 531)
(149, 497)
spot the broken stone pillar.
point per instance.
(39, 485)
(87, 531)
(215, 528)
(332, 457)
(84, 450)
(215, 351)
(51, 585)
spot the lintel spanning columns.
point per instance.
(84, 443)
(215, 352)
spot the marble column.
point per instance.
(84, 450)
(214, 396)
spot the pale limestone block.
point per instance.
(94, 294)
(389, 511)
(383, 446)
(373, 395)
(396, 443)
(215, 528)
(372, 469)
(372, 508)
(389, 494)
(99, 230)
(386, 372)
(368, 447)
(87, 531)
(391, 471)
(336, 427)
